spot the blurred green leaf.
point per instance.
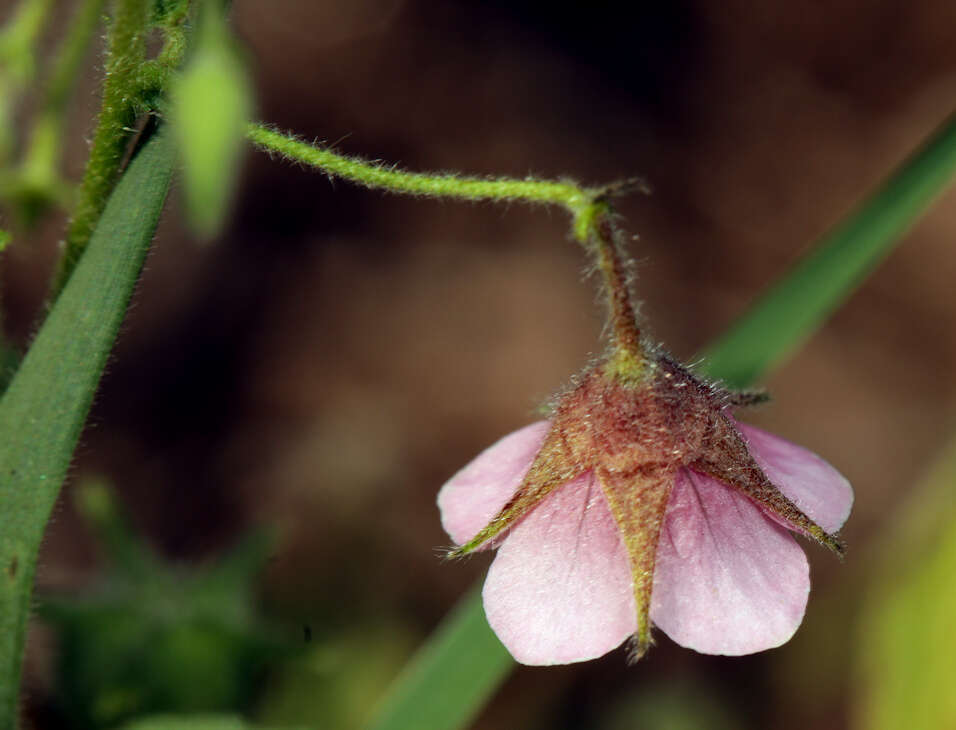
(156, 637)
(197, 722)
(127, 553)
(30, 188)
(776, 324)
(18, 39)
(339, 678)
(190, 722)
(906, 643)
(793, 308)
(210, 108)
(43, 410)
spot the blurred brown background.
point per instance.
(337, 354)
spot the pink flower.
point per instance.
(643, 503)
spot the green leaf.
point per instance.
(785, 316)
(155, 637)
(43, 410)
(797, 305)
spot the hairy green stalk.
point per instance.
(156, 74)
(577, 200)
(133, 85)
(173, 25)
(126, 53)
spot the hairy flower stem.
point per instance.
(590, 212)
(628, 358)
(376, 175)
(133, 86)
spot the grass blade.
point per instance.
(43, 410)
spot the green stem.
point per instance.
(430, 185)
(174, 28)
(629, 357)
(155, 74)
(126, 52)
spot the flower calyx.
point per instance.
(634, 421)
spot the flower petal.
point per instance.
(471, 498)
(808, 481)
(728, 579)
(560, 590)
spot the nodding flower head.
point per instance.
(642, 502)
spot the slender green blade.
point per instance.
(791, 310)
(43, 410)
(187, 722)
(450, 668)
(452, 677)
(197, 722)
